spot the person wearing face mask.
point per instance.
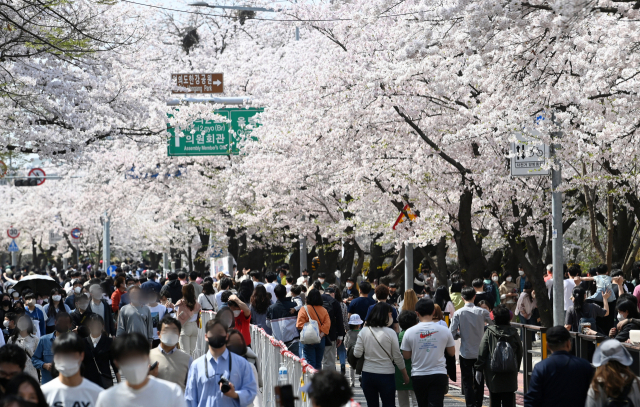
(322, 280)
(521, 279)
(34, 313)
(70, 388)
(100, 306)
(43, 356)
(203, 383)
(8, 325)
(131, 354)
(77, 290)
(242, 314)
(236, 344)
(493, 287)
(350, 291)
(627, 320)
(508, 293)
(173, 363)
(54, 306)
(23, 337)
(5, 305)
(80, 316)
(135, 317)
(98, 361)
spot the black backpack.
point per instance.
(503, 359)
(622, 400)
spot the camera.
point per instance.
(225, 385)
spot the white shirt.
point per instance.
(288, 287)
(157, 313)
(95, 340)
(427, 342)
(207, 301)
(60, 395)
(569, 285)
(156, 393)
(269, 287)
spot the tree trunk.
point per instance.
(201, 263)
(154, 260)
(609, 225)
(470, 257)
(294, 261)
(590, 196)
(375, 264)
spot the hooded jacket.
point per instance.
(499, 382)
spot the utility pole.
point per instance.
(106, 243)
(557, 241)
(165, 263)
(408, 266)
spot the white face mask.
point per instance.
(349, 285)
(620, 317)
(6, 324)
(521, 272)
(56, 297)
(77, 290)
(495, 278)
(321, 280)
(169, 339)
(135, 372)
(390, 321)
(236, 313)
(67, 366)
(509, 279)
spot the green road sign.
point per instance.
(214, 138)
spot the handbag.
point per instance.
(310, 334)
(354, 362)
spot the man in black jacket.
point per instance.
(282, 320)
(336, 333)
(175, 288)
(100, 306)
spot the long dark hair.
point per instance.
(189, 296)
(245, 291)
(379, 315)
(52, 311)
(314, 297)
(207, 288)
(14, 385)
(628, 306)
(442, 297)
(260, 300)
(578, 299)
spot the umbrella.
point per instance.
(40, 285)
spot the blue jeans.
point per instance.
(342, 354)
(374, 384)
(313, 354)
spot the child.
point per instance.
(295, 297)
(603, 283)
(406, 320)
(355, 322)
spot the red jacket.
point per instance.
(115, 300)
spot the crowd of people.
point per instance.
(130, 339)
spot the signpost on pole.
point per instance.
(76, 234)
(408, 266)
(198, 82)
(39, 175)
(106, 241)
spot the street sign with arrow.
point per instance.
(198, 82)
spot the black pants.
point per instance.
(430, 389)
(502, 399)
(473, 392)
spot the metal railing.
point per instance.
(527, 333)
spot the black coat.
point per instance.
(335, 314)
(175, 290)
(109, 323)
(102, 364)
(80, 321)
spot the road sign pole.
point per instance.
(408, 266)
(106, 243)
(14, 258)
(165, 264)
(557, 250)
(65, 264)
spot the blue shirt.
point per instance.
(559, 380)
(361, 306)
(37, 314)
(51, 321)
(151, 285)
(394, 313)
(44, 354)
(203, 391)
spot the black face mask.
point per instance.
(6, 303)
(237, 349)
(217, 342)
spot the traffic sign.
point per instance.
(3, 169)
(111, 271)
(76, 233)
(215, 138)
(412, 215)
(13, 247)
(198, 82)
(39, 174)
(528, 155)
(13, 233)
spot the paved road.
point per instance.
(452, 399)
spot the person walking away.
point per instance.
(157, 310)
(614, 381)
(582, 314)
(188, 312)
(382, 293)
(443, 299)
(173, 363)
(468, 325)
(203, 387)
(24, 337)
(425, 345)
(131, 354)
(174, 287)
(342, 350)
(225, 285)
(193, 276)
(350, 338)
(314, 310)
(561, 379)
(98, 362)
(509, 293)
(456, 295)
(379, 345)
(54, 306)
(100, 306)
(43, 356)
(208, 297)
(361, 304)
(70, 388)
(282, 321)
(135, 317)
(499, 359)
(242, 315)
(328, 389)
(260, 302)
(336, 332)
(409, 301)
(406, 320)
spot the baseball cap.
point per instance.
(330, 290)
(610, 350)
(557, 334)
(355, 320)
